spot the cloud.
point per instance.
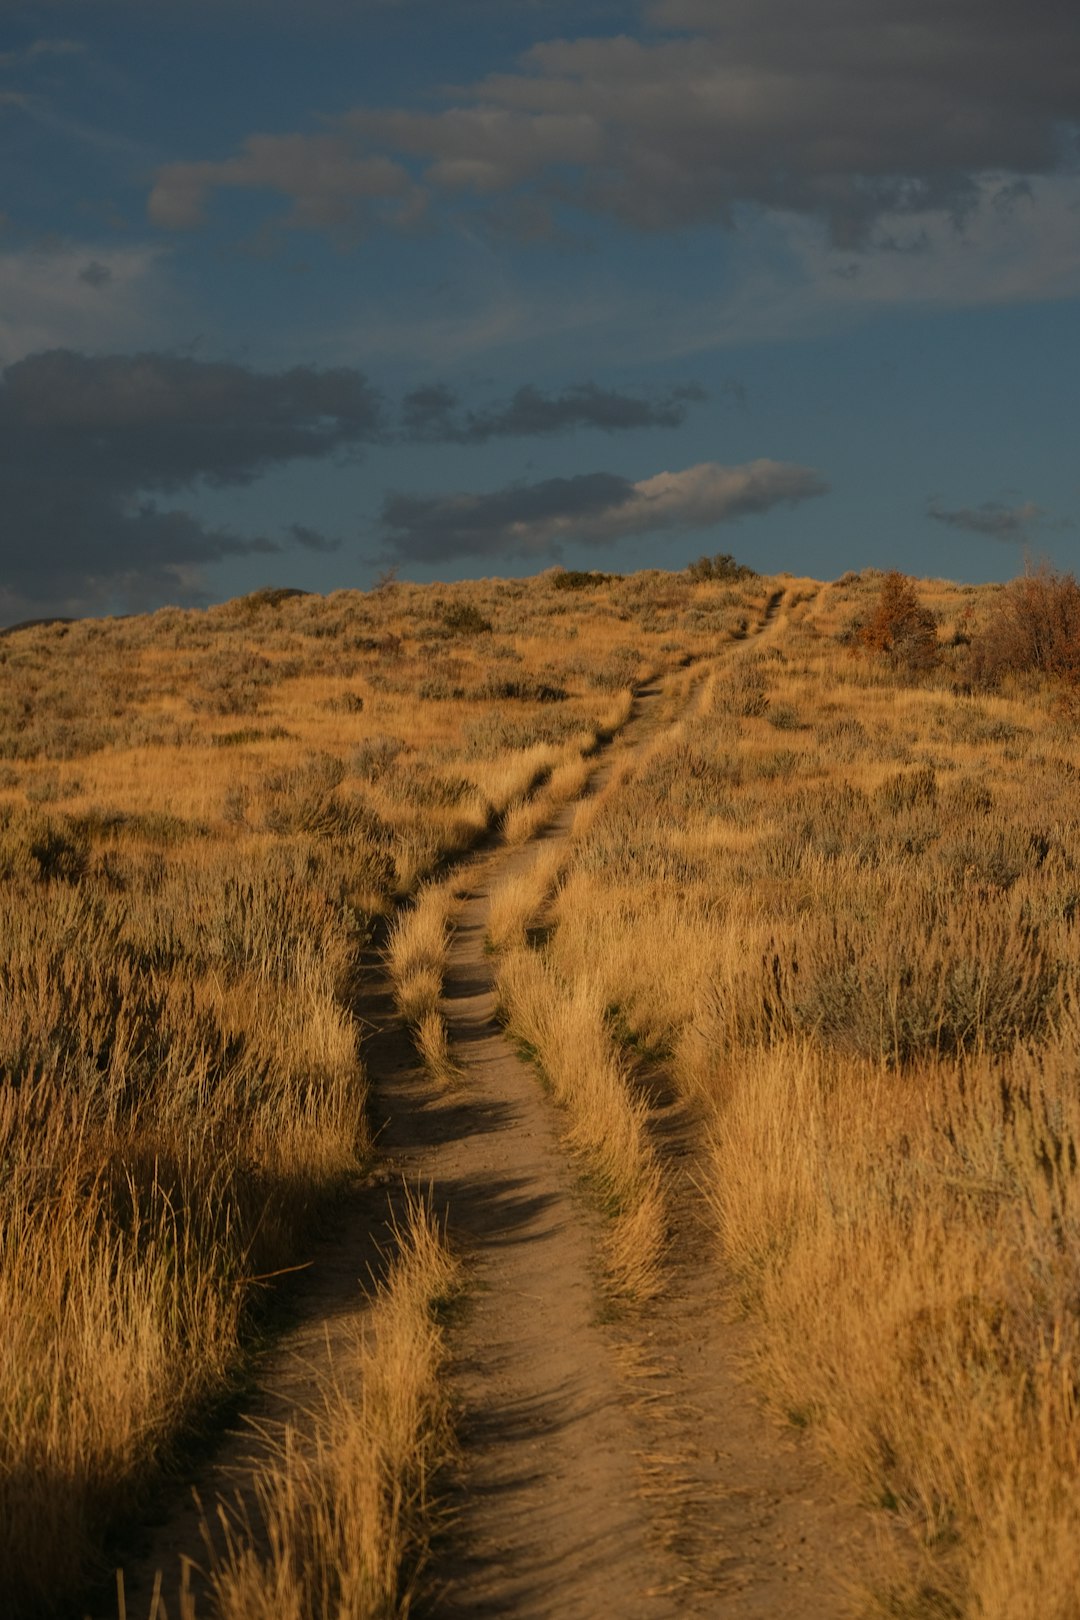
(535, 520)
(74, 295)
(92, 449)
(882, 106)
(434, 413)
(327, 180)
(163, 421)
(994, 519)
(311, 540)
(787, 282)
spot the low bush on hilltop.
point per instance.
(465, 619)
(1034, 629)
(576, 579)
(901, 628)
(722, 568)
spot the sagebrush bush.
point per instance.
(722, 568)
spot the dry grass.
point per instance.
(416, 952)
(201, 816)
(517, 899)
(344, 1508)
(165, 1135)
(433, 1045)
(565, 1030)
(566, 779)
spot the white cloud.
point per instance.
(787, 280)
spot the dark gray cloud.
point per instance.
(92, 450)
(862, 108)
(435, 413)
(519, 520)
(98, 452)
(536, 520)
(163, 421)
(994, 519)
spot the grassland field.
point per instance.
(836, 901)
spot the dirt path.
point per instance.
(425, 1138)
(549, 1517)
(609, 1467)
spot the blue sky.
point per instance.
(293, 296)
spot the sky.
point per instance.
(302, 295)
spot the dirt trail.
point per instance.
(429, 1139)
(549, 1519)
(609, 1467)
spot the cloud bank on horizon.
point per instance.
(533, 521)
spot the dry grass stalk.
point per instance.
(419, 941)
(346, 1512)
(517, 899)
(564, 1028)
(433, 1045)
(417, 953)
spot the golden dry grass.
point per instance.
(564, 1029)
(416, 952)
(202, 816)
(344, 1507)
(517, 900)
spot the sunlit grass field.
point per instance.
(204, 819)
(837, 902)
(840, 905)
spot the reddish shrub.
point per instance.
(901, 627)
(1035, 628)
